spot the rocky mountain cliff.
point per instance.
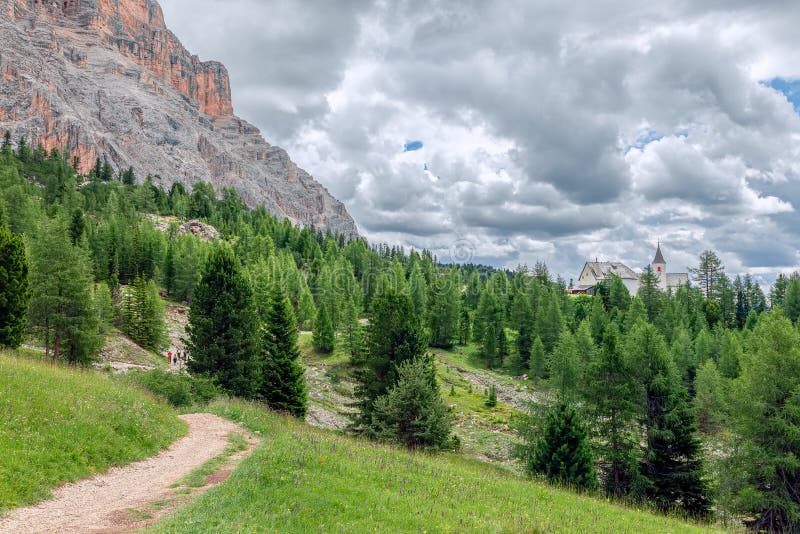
(106, 78)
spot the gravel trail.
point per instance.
(102, 502)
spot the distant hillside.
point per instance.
(109, 80)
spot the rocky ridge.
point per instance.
(107, 79)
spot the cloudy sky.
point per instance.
(517, 131)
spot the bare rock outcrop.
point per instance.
(107, 79)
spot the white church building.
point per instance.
(594, 272)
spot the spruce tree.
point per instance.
(14, 290)
(223, 326)
(412, 412)
(5, 149)
(283, 383)
(650, 293)
(394, 335)
(323, 338)
(671, 470)
(562, 452)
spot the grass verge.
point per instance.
(59, 425)
(305, 479)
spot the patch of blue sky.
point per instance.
(412, 146)
(789, 88)
(651, 136)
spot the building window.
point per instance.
(659, 269)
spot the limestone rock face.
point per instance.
(107, 79)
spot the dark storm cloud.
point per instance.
(551, 130)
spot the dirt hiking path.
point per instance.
(103, 503)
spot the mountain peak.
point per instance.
(108, 79)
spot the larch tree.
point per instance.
(708, 273)
(761, 477)
(61, 308)
(612, 398)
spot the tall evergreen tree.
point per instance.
(443, 312)
(708, 273)
(283, 383)
(394, 335)
(324, 337)
(671, 470)
(223, 326)
(612, 399)
(61, 307)
(538, 359)
(14, 290)
(791, 302)
(650, 293)
(761, 477)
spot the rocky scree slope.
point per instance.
(107, 79)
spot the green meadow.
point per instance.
(59, 424)
(305, 479)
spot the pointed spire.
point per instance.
(659, 257)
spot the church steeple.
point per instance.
(659, 257)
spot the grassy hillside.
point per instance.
(58, 425)
(305, 479)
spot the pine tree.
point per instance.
(619, 298)
(323, 338)
(77, 226)
(549, 321)
(419, 291)
(564, 366)
(14, 290)
(671, 470)
(223, 326)
(561, 452)
(23, 150)
(523, 319)
(283, 383)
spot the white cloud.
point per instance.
(550, 131)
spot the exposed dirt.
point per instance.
(133, 496)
